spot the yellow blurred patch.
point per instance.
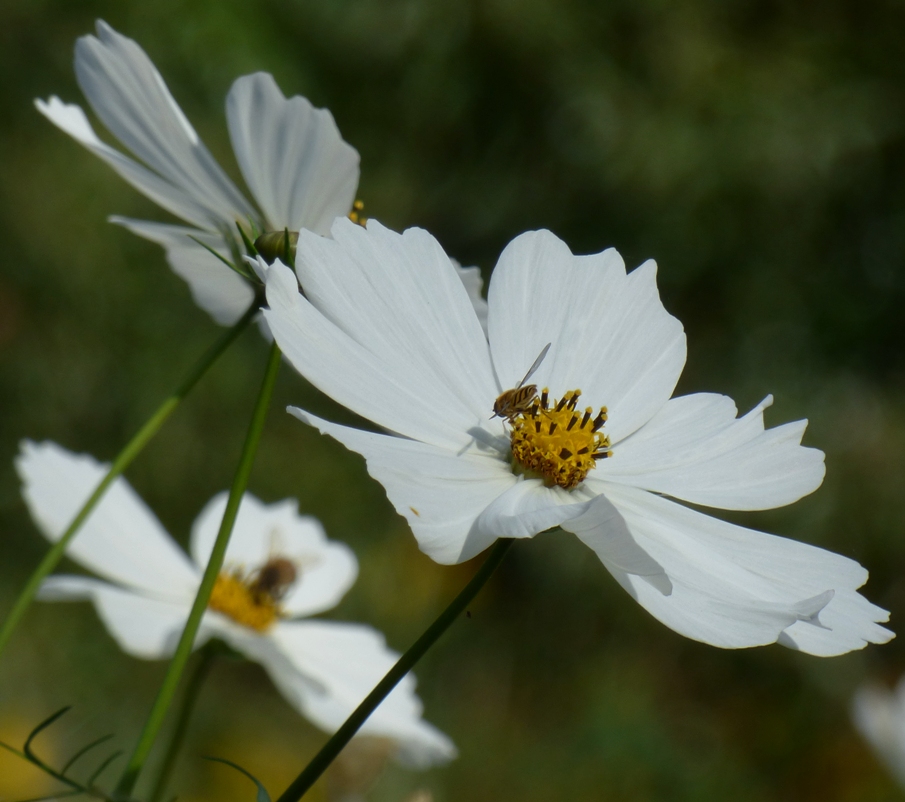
(18, 778)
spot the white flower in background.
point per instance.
(387, 330)
(279, 569)
(291, 155)
(879, 715)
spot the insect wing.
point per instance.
(535, 366)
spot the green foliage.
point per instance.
(74, 787)
(262, 795)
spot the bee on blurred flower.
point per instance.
(274, 579)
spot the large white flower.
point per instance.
(879, 715)
(279, 569)
(387, 330)
(292, 157)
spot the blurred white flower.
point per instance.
(279, 569)
(386, 329)
(291, 155)
(879, 715)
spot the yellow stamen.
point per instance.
(356, 215)
(233, 596)
(558, 443)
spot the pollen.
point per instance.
(551, 439)
(234, 597)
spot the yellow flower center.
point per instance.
(237, 598)
(557, 443)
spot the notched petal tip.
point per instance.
(105, 31)
(647, 267)
(344, 227)
(69, 118)
(809, 610)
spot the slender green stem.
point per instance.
(189, 697)
(187, 639)
(406, 663)
(131, 450)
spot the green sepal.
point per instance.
(289, 248)
(249, 243)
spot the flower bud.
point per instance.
(272, 246)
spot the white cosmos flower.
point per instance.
(387, 330)
(323, 668)
(879, 715)
(291, 155)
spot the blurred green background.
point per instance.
(755, 149)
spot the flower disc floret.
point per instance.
(234, 597)
(558, 443)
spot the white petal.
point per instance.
(474, 285)
(292, 156)
(610, 335)
(736, 587)
(398, 391)
(526, 508)
(128, 94)
(604, 530)
(143, 627)
(121, 539)
(326, 569)
(399, 296)
(260, 268)
(346, 661)
(879, 716)
(71, 119)
(440, 493)
(695, 449)
(849, 622)
(219, 291)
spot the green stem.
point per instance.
(195, 681)
(406, 663)
(187, 639)
(125, 457)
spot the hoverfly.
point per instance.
(273, 579)
(513, 402)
